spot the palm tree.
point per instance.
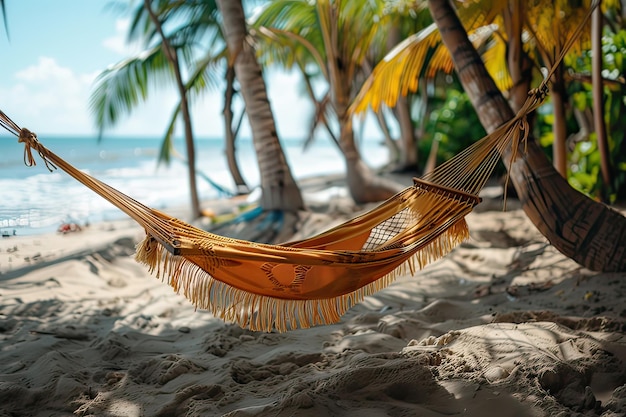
(120, 88)
(549, 23)
(336, 37)
(598, 100)
(232, 131)
(172, 57)
(198, 41)
(280, 191)
(557, 210)
(4, 17)
(586, 231)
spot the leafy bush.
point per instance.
(584, 158)
(453, 124)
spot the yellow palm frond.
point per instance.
(611, 5)
(553, 23)
(399, 72)
(314, 281)
(420, 55)
(496, 63)
(476, 14)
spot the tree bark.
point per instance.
(559, 129)
(172, 57)
(586, 231)
(402, 112)
(598, 100)
(280, 191)
(363, 184)
(231, 134)
(407, 133)
(394, 150)
(519, 64)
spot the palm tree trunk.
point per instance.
(407, 133)
(231, 133)
(402, 113)
(559, 130)
(172, 57)
(519, 64)
(394, 150)
(363, 184)
(280, 191)
(588, 232)
(598, 100)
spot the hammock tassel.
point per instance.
(313, 281)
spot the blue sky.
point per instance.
(56, 50)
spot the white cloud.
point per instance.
(52, 95)
(45, 70)
(118, 43)
(52, 99)
(291, 109)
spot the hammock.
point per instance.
(313, 281)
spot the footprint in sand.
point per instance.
(161, 370)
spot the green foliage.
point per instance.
(193, 30)
(585, 167)
(584, 163)
(4, 17)
(453, 123)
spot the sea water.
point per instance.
(34, 200)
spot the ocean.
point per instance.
(36, 201)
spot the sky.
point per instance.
(56, 49)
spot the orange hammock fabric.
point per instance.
(316, 280)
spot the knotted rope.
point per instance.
(30, 141)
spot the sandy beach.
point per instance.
(502, 326)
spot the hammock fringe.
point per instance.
(265, 313)
(316, 280)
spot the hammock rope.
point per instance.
(313, 281)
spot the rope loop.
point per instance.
(539, 93)
(30, 141)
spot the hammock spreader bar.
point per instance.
(312, 281)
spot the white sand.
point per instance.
(502, 326)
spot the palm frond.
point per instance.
(496, 63)
(288, 30)
(362, 25)
(140, 28)
(422, 55)
(120, 88)
(167, 146)
(476, 14)
(399, 72)
(4, 18)
(206, 75)
(552, 25)
(288, 49)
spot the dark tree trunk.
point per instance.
(231, 133)
(588, 232)
(363, 184)
(280, 191)
(598, 100)
(172, 57)
(559, 129)
(407, 133)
